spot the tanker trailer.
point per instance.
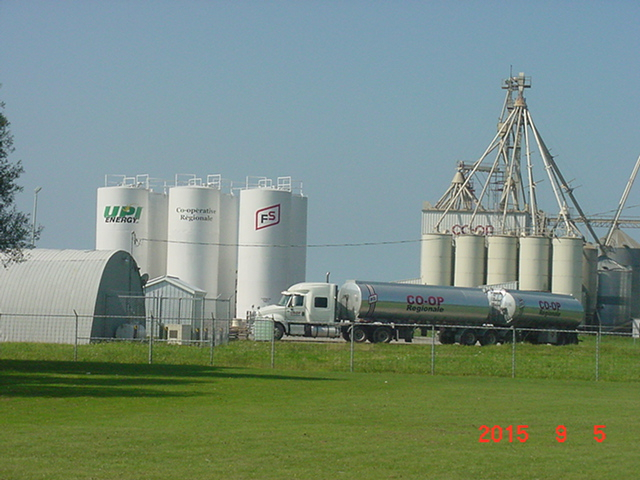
(540, 317)
(385, 311)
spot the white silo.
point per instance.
(502, 259)
(566, 266)
(436, 259)
(228, 255)
(122, 220)
(157, 235)
(298, 263)
(264, 253)
(469, 261)
(533, 269)
(193, 236)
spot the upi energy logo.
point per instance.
(268, 217)
(126, 214)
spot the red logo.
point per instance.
(268, 217)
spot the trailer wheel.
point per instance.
(381, 335)
(490, 337)
(278, 331)
(468, 337)
(572, 338)
(446, 337)
(359, 334)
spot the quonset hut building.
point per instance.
(42, 296)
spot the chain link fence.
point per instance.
(598, 355)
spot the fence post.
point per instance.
(433, 349)
(273, 343)
(598, 353)
(513, 353)
(213, 339)
(352, 349)
(75, 343)
(151, 340)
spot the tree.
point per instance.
(15, 226)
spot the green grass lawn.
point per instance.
(103, 420)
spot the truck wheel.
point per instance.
(381, 335)
(359, 334)
(278, 331)
(468, 337)
(490, 337)
(446, 337)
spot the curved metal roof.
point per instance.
(53, 282)
(40, 296)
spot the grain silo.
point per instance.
(566, 266)
(436, 259)
(266, 256)
(469, 262)
(533, 269)
(614, 294)
(590, 282)
(199, 217)
(156, 241)
(502, 259)
(298, 259)
(130, 216)
(626, 251)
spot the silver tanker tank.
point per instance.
(525, 309)
(412, 304)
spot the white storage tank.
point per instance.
(566, 266)
(194, 236)
(157, 235)
(436, 259)
(502, 259)
(130, 216)
(533, 270)
(228, 255)
(469, 262)
(264, 251)
(298, 264)
(122, 219)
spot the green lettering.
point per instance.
(111, 211)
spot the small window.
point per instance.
(321, 302)
(298, 300)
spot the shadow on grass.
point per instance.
(57, 379)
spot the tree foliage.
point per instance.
(15, 226)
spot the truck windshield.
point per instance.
(284, 300)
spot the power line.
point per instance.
(263, 245)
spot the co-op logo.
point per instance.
(122, 214)
(477, 229)
(268, 217)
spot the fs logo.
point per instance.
(268, 217)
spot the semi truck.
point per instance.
(380, 312)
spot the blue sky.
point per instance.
(369, 104)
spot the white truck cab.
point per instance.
(305, 309)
